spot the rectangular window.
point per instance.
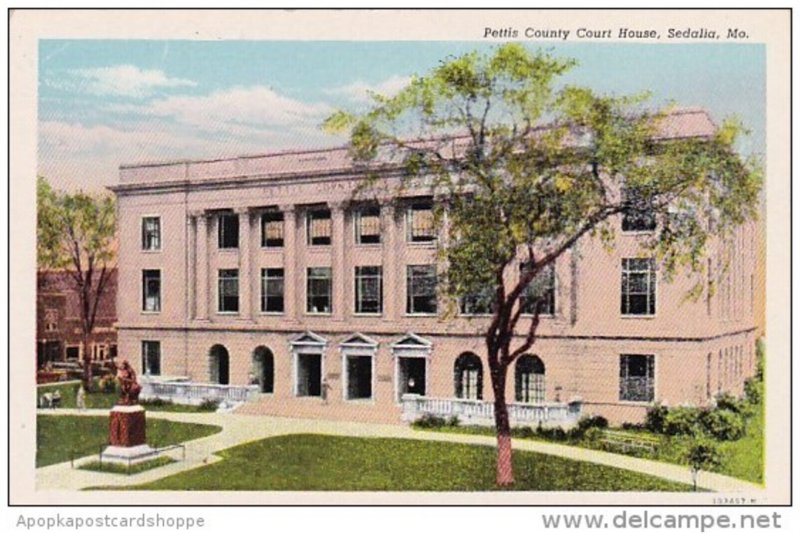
(481, 303)
(309, 374)
(272, 229)
(151, 290)
(369, 290)
(151, 358)
(419, 222)
(637, 378)
(151, 233)
(368, 225)
(228, 291)
(541, 292)
(228, 230)
(421, 289)
(318, 226)
(318, 297)
(638, 214)
(638, 287)
(272, 290)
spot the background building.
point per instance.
(261, 271)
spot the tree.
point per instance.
(703, 454)
(75, 233)
(524, 170)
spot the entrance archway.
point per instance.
(219, 365)
(264, 369)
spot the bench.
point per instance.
(625, 442)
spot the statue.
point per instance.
(129, 386)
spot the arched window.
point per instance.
(263, 373)
(529, 379)
(219, 363)
(468, 377)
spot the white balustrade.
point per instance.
(185, 392)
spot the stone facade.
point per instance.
(199, 241)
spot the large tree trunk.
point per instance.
(87, 364)
(505, 469)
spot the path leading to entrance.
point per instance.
(238, 429)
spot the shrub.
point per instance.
(633, 426)
(655, 418)
(754, 391)
(427, 421)
(524, 432)
(593, 435)
(156, 402)
(724, 424)
(453, 421)
(107, 384)
(209, 405)
(682, 421)
(593, 421)
(761, 350)
(555, 433)
(728, 402)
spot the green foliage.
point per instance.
(682, 421)
(429, 421)
(729, 402)
(703, 454)
(656, 415)
(108, 384)
(209, 405)
(754, 390)
(724, 424)
(593, 421)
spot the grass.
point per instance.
(327, 463)
(107, 400)
(58, 437)
(744, 458)
(119, 468)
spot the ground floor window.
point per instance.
(73, 352)
(411, 376)
(151, 358)
(263, 373)
(468, 377)
(637, 378)
(309, 374)
(529, 375)
(359, 377)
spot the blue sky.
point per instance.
(106, 103)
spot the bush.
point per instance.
(728, 402)
(554, 433)
(107, 384)
(524, 432)
(427, 421)
(453, 421)
(593, 436)
(724, 424)
(754, 391)
(682, 421)
(209, 405)
(761, 349)
(655, 418)
(593, 421)
(156, 402)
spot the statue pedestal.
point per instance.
(126, 434)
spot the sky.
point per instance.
(104, 103)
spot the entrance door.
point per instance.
(359, 377)
(309, 374)
(411, 376)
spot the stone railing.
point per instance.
(480, 412)
(183, 391)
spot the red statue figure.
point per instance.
(129, 386)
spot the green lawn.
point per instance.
(118, 468)
(58, 436)
(321, 462)
(744, 458)
(106, 400)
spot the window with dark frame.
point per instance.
(421, 289)
(318, 288)
(151, 358)
(369, 290)
(228, 230)
(638, 287)
(639, 215)
(272, 285)
(318, 226)
(481, 303)
(151, 234)
(151, 290)
(540, 292)
(368, 225)
(637, 378)
(420, 223)
(228, 291)
(272, 229)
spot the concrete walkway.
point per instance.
(238, 429)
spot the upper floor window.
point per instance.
(151, 233)
(638, 286)
(318, 297)
(318, 226)
(228, 230)
(151, 290)
(272, 290)
(228, 291)
(369, 289)
(541, 292)
(419, 222)
(368, 225)
(151, 358)
(272, 229)
(421, 289)
(480, 303)
(639, 215)
(637, 378)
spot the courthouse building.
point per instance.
(259, 278)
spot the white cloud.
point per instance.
(127, 80)
(359, 91)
